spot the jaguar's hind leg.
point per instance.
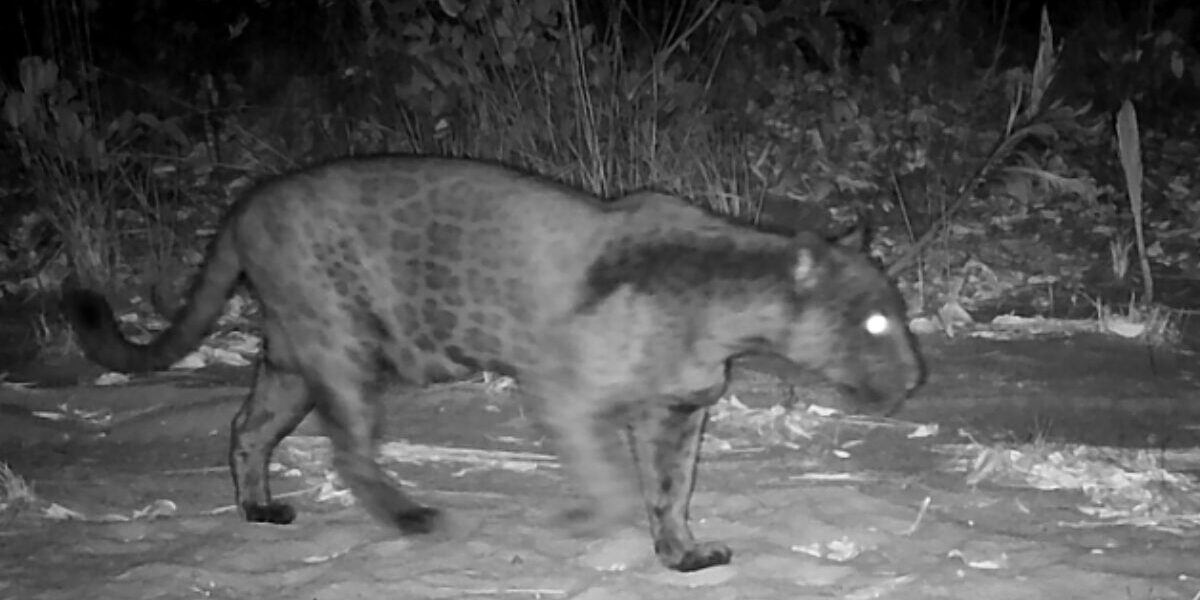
(353, 416)
(666, 443)
(278, 403)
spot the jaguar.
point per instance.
(618, 319)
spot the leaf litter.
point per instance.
(1123, 486)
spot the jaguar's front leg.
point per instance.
(595, 461)
(666, 443)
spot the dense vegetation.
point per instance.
(978, 139)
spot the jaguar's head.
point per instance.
(848, 322)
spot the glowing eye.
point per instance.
(877, 324)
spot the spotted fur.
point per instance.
(618, 318)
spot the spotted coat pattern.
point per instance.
(618, 318)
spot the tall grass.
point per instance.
(527, 83)
(576, 103)
(86, 171)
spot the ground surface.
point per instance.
(798, 530)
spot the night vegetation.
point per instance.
(978, 139)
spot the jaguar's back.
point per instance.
(444, 266)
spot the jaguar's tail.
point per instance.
(103, 343)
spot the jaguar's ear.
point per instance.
(858, 238)
(809, 255)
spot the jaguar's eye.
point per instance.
(877, 324)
